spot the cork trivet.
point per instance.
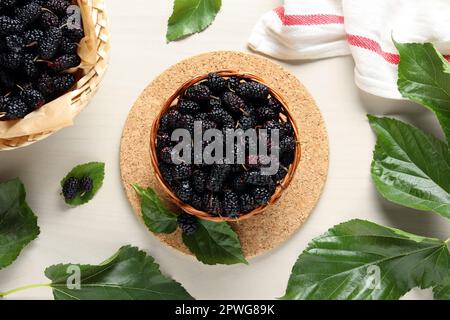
(270, 229)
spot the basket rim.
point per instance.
(281, 187)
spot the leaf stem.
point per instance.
(3, 294)
(447, 241)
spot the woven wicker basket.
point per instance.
(90, 80)
(201, 214)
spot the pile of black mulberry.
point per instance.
(38, 43)
(226, 190)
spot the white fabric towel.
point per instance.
(314, 29)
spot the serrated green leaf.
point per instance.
(191, 16)
(410, 167)
(215, 243)
(94, 170)
(129, 274)
(156, 216)
(18, 224)
(442, 291)
(424, 77)
(362, 260)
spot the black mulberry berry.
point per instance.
(198, 93)
(198, 181)
(15, 108)
(48, 19)
(216, 83)
(231, 207)
(15, 43)
(247, 122)
(57, 6)
(166, 172)
(217, 177)
(64, 62)
(173, 117)
(12, 60)
(247, 203)
(213, 205)
(233, 83)
(184, 191)
(63, 82)
(197, 202)
(86, 184)
(71, 188)
(10, 26)
(239, 182)
(166, 155)
(261, 196)
(188, 107)
(287, 145)
(266, 113)
(187, 223)
(182, 171)
(257, 179)
(252, 91)
(233, 102)
(32, 98)
(28, 13)
(48, 46)
(33, 36)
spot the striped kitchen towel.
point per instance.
(315, 29)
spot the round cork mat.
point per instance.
(270, 229)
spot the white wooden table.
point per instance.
(93, 232)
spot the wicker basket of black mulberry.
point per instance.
(53, 55)
(225, 100)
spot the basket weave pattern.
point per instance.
(188, 208)
(89, 83)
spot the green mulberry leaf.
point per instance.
(156, 216)
(215, 243)
(442, 291)
(129, 274)
(424, 77)
(191, 16)
(360, 260)
(410, 167)
(18, 224)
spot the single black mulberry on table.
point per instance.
(38, 48)
(224, 189)
(187, 223)
(71, 188)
